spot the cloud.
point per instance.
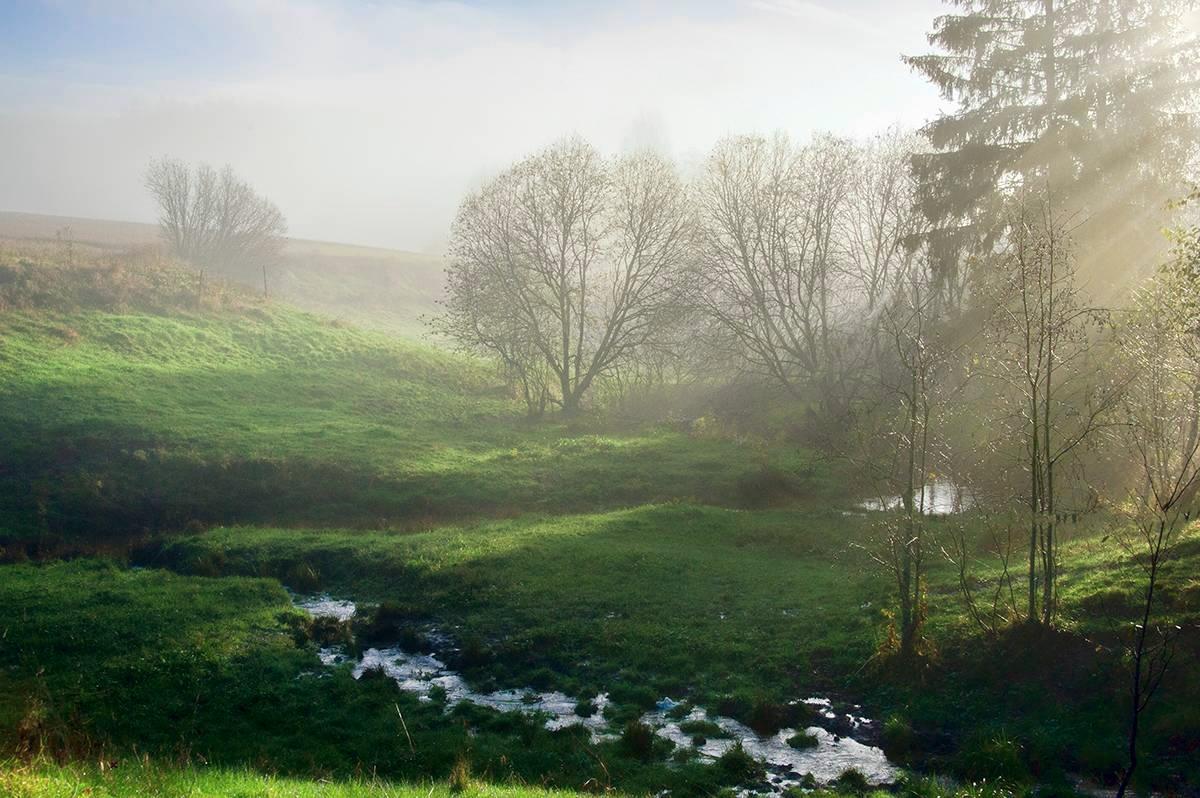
(367, 122)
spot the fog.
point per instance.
(366, 123)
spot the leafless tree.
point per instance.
(567, 265)
(1039, 351)
(881, 218)
(903, 447)
(768, 258)
(1161, 346)
(213, 219)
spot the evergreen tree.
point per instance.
(1089, 100)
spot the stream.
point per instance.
(833, 753)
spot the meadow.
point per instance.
(171, 468)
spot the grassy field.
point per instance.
(128, 421)
(380, 288)
(193, 461)
(137, 779)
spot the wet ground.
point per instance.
(830, 751)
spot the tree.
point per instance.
(567, 265)
(881, 219)
(1092, 98)
(1161, 407)
(1038, 351)
(771, 215)
(903, 446)
(214, 219)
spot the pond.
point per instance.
(939, 497)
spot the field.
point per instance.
(170, 469)
(382, 289)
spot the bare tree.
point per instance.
(1161, 407)
(770, 216)
(567, 265)
(1038, 349)
(214, 219)
(902, 445)
(881, 218)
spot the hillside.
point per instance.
(179, 476)
(381, 288)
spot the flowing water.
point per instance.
(833, 754)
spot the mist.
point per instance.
(367, 123)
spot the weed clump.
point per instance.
(391, 623)
(739, 766)
(898, 739)
(460, 774)
(803, 740)
(638, 740)
(852, 781)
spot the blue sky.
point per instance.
(367, 121)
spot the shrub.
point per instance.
(802, 740)
(739, 765)
(853, 782)
(638, 740)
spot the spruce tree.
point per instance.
(1090, 100)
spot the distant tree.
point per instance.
(214, 219)
(568, 265)
(881, 219)
(1092, 98)
(770, 263)
(1161, 347)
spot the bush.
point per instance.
(898, 739)
(739, 765)
(853, 782)
(802, 740)
(638, 740)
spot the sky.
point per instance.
(367, 121)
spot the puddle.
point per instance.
(829, 758)
(941, 497)
(423, 674)
(325, 607)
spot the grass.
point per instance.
(128, 421)
(234, 449)
(139, 778)
(677, 599)
(102, 663)
(378, 288)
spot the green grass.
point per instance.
(136, 779)
(585, 555)
(125, 422)
(101, 663)
(678, 599)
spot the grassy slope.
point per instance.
(381, 288)
(135, 780)
(130, 420)
(124, 420)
